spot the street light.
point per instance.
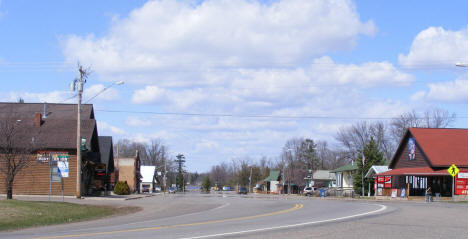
(78, 83)
(109, 86)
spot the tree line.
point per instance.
(376, 139)
(298, 155)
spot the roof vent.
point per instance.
(45, 110)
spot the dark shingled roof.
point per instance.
(54, 111)
(107, 152)
(57, 131)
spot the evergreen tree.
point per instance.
(372, 157)
(206, 184)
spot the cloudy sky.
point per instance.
(224, 79)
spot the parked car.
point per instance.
(172, 190)
(308, 191)
(226, 188)
(243, 190)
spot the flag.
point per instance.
(363, 160)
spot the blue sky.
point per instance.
(341, 60)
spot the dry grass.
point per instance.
(15, 214)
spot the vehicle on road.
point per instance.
(172, 190)
(226, 188)
(308, 191)
(243, 190)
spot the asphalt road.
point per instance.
(232, 216)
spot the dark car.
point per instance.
(243, 190)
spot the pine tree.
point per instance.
(372, 157)
(206, 184)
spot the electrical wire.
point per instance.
(255, 116)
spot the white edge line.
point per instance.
(382, 208)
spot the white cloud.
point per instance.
(138, 122)
(449, 92)
(106, 129)
(170, 35)
(367, 74)
(437, 47)
(149, 94)
(49, 97)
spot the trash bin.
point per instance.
(322, 192)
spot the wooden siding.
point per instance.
(128, 174)
(34, 180)
(404, 162)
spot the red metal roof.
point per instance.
(425, 171)
(443, 147)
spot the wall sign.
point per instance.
(461, 183)
(411, 149)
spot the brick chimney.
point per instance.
(37, 119)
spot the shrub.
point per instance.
(121, 188)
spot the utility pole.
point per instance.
(165, 173)
(83, 74)
(250, 180)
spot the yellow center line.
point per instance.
(298, 206)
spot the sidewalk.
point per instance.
(68, 198)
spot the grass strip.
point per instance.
(16, 214)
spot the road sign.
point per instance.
(63, 168)
(453, 170)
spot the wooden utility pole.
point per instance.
(83, 74)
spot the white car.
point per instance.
(308, 191)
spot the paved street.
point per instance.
(233, 216)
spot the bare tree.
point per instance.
(127, 148)
(16, 152)
(156, 153)
(356, 136)
(431, 118)
(219, 174)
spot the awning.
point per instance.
(425, 171)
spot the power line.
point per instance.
(256, 116)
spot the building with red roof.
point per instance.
(421, 162)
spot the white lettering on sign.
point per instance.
(463, 175)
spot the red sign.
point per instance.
(461, 183)
(384, 182)
(388, 182)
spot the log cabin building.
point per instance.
(50, 133)
(422, 160)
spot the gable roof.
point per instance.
(376, 170)
(347, 167)
(441, 147)
(56, 131)
(53, 110)
(107, 152)
(274, 175)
